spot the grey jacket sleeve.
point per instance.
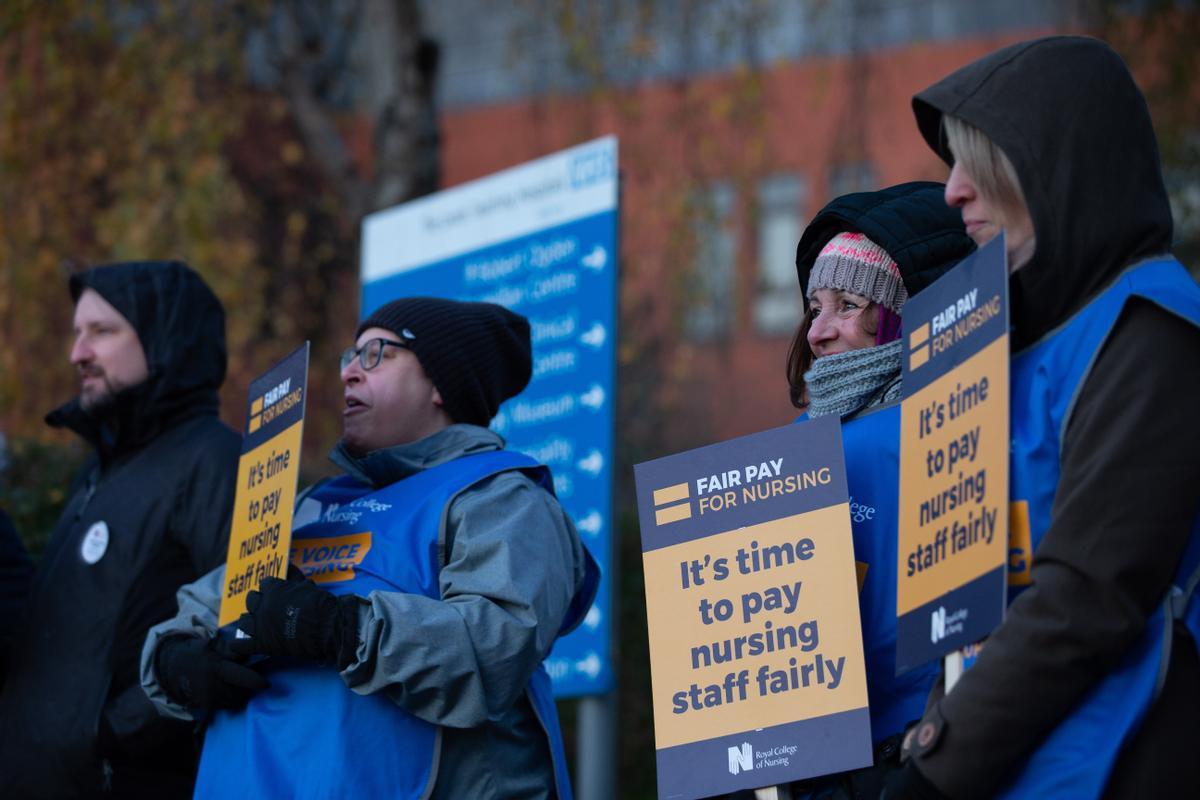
(199, 605)
(512, 562)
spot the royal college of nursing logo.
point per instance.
(741, 759)
(942, 625)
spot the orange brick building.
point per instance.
(720, 173)
(722, 167)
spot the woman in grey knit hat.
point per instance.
(858, 262)
(852, 327)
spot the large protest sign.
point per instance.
(953, 545)
(266, 489)
(752, 606)
(539, 238)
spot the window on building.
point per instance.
(852, 176)
(781, 199)
(711, 291)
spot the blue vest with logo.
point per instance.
(871, 442)
(1077, 757)
(308, 735)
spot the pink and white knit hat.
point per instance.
(853, 263)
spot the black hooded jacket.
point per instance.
(16, 571)
(73, 716)
(1067, 113)
(911, 221)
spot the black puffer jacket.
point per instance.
(1067, 113)
(74, 721)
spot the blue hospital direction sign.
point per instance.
(541, 239)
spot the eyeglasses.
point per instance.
(370, 354)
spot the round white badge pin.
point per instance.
(95, 542)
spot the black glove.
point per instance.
(296, 618)
(909, 784)
(195, 673)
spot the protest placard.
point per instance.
(953, 537)
(266, 489)
(752, 605)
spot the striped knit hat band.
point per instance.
(853, 263)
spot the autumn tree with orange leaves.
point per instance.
(246, 138)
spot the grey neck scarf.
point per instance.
(848, 382)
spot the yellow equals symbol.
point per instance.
(672, 510)
(256, 415)
(918, 344)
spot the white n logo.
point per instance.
(741, 759)
(937, 625)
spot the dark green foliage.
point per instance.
(34, 486)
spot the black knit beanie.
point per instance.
(477, 354)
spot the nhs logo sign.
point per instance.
(741, 759)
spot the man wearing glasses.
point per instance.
(442, 570)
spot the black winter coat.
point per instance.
(149, 513)
(16, 570)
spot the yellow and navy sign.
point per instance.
(266, 487)
(667, 507)
(752, 607)
(953, 537)
(1020, 544)
(918, 347)
(331, 559)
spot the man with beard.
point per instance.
(149, 512)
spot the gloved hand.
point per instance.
(909, 784)
(297, 618)
(195, 673)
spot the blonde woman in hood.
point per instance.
(1091, 685)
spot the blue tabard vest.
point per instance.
(308, 735)
(871, 442)
(1077, 757)
(872, 446)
